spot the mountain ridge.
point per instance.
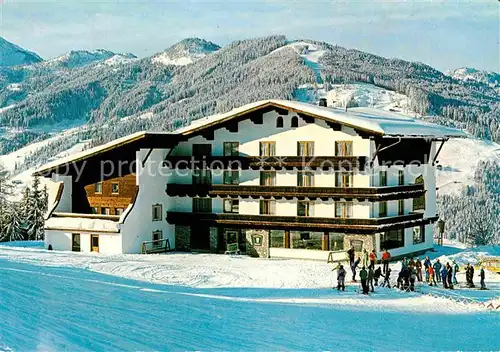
(13, 55)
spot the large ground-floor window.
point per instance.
(336, 241)
(418, 234)
(306, 240)
(277, 238)
(392, 239)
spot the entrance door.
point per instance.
(232, 240)
(94, 243)
(75, 242)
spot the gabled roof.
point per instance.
(371, 121)
(375, 121)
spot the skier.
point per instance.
(341, 273)
(365, 258)
(449, 275)
(401, 275)
(456, 269)
(437, 270)
(373, 258)
(481, 274)
(404, 263)
(444, 273)
(427, 265)
(469, 274)
(354, 265)
(411, 263)
(371, 276)
(413, 277)
(377, 274)
(350, 255)
(363, 274)
(432, 277)
(385, 260)
(386, 278)
(418, 266)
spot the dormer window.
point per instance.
(279, 122)
(295, 122)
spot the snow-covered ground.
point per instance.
(73, 301)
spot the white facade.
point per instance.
(137, 225)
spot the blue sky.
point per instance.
(444, 34)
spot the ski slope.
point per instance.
(87, 302)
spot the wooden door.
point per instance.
(94, 243)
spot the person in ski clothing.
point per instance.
(469, 274)
(353, 268)
(341, 273)
(386, 256)
(363, 274)
(376, 275)
(350, 255)
(432, 277)
(444, 273)
(456, 269)
(413, 277)
(364, 257)
(401, 275)
(418, 267)
(411, 263)
(371, 276)
(373, 258)
(427, 265)
(481, 275)
(437, 270)
(404, 263)
(449, 275)
(386, 278)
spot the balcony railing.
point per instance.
(267, 162)
(299, 223)
(289, 192)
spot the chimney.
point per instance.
(322, 102)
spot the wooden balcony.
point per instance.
(372, 194)
(348, 163)
(300, 223)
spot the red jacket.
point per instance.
(386, 256)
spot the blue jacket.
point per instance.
(427, 263)
(444, 273)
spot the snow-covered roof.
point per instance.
(83, 223)
(96, 150)
(376, 121)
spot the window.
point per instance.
(115, 188)
(382, 209)
(392, 239)
(231, 206)
(279, 122)
(75, 242)
(157, 211)
(418, 234)
(202, 149)
(267, 207)
(105, 211)
(202, 205)
(344, 179)
(401, 207)
(401, 177)
(267, 149)
(306, 240)
(305, 179)
(268, 178)
(336, 241)
(118, 211)
(95, 210)
(157, 239)
(202, 177)
(231, 148)
(382, 178)
(343, 209)
(343, 148)
(305, 148)
(304, 208)
(277, 238)
(419, 203)
(231, 177)
(98, 187)
(295, 121)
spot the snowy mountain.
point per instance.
(81, 58)
(13, 55)
(185, 52)
(469, 74)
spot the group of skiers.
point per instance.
(411, 271)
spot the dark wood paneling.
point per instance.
(127, 191)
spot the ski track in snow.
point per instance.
(92, 302)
